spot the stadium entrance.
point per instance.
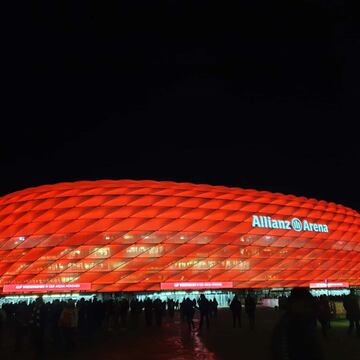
(46, 297)
(222, 297)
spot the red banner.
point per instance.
(44, 288)
(188, 285)
(338, 285)
(326, 285)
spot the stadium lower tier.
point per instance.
(265, 297)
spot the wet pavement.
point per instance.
(171, 341)
(174, 341)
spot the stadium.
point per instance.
(127, 236)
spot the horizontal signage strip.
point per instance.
(196, 285)
(23, 288)
(326, 285)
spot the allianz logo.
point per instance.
(292, 224)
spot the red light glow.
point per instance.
(324, 285)
(44, 288)
(124, 235)
(196, 285)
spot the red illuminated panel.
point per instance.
(338, 285)
(324, 285)
(318, 285)
(196, 285)
(44, 288)
(124, 235)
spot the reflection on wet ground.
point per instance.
(187, 345)
(174, 341)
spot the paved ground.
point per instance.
(173, 341)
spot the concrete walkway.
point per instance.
(174, 341)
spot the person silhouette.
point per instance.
(37, 326)
(351, 305)
(324, 314)
(250, 308)
(235, 307)
(189, 311)
(295, 336)
(204, 308)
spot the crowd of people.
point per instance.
(326, 310)
(62, 322)
(295, 336)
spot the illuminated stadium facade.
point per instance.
(136, 236)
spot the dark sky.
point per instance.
(258, 95)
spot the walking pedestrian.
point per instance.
(188, 312)
(236, 309)
(204, 308)
(295, 336)
(351, 305)
(37, 326)
(68, 323)
(250, 308)
(324, 314)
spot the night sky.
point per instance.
(261, 95)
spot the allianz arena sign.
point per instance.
(293, 224)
